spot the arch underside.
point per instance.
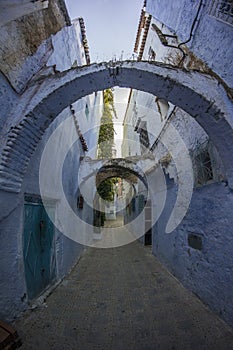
(198, 94)
(125, 168)
(122, 172)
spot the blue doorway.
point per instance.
(38, 246)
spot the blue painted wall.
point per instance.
(8, 99)
(207, 272)
(212, 39)
(13, 297)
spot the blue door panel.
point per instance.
(38, 248)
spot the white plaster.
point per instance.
(192, 91)
(68, 41)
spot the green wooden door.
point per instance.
(38, 249)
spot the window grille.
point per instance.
(202, 166)
(222, 10)
(144, 139)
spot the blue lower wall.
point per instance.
(204, 266)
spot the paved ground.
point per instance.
(122, 299)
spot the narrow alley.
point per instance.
(116, 175)
(122, 298)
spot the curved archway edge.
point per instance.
(102, 169)
(200, 95)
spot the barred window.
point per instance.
(144, 139)
(141, 129)
(222, 10)
(204, 168)
(203, 171)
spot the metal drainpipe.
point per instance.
(190, 35)
(164, 42)
(191, 31)
(179, 48)
(184, 54)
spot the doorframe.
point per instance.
(35, 199)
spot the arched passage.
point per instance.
(123, 167)
(202, 96)
(93, 172)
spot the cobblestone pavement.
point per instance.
(122, 299)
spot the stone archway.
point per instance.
(100, 168)
(132, 169)
(200, 95)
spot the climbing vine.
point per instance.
(106, 142)
(106, 190)
(106, 133)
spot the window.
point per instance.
(202, 165)
(163, 107)
(80, 201)
(151, 54)
(144, 137)
(222, 10)
(135, 113)
(204, 168)
(141, 129)
(87, 111)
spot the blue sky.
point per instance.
(111, 26)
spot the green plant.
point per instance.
(106, 190)
(106, 132)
